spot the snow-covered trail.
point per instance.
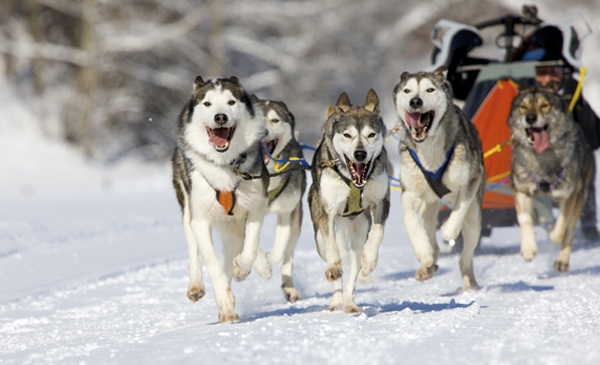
(103, 280)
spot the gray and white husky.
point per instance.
(440, 158)
(349, 195)
(286, 188)
(549, 157)
(220, 132)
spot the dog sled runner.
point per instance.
(485, 87)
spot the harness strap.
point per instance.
(434, 178)
(545, 187)
(274, 194)
(354, 202)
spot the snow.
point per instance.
(93, 269)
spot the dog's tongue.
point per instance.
(359, 167)
(413, 119)
(540, 139)
(219, 137)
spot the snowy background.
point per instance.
(93, 269)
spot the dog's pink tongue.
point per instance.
(540, 139)
(359, 168)
(413, 119)
(219, 137)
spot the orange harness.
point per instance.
(227, 200)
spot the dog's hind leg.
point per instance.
(221, 283)
(471, 230)
(524, 208)
(287, 267)
(196, 288)
(411, 206)
(358, 228)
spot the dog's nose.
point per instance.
(221, 118)
(360, 156)
(531, 118)
(415, 103)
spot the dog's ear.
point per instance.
(372, 101)
(198, 83)
(234, 80)
(254, 98)
(522, 86)
(330, 111)
(343, 102)
(441, 71)
(404, 76)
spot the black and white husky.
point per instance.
(440, 157)
(220, 132)
(349, 195)
(283, 157)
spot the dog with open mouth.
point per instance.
(282, 154)
(221, 183)
(440, 159)
(349, 195)
(549, 157)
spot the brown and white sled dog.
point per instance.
(286, 188)
(440, 157)
(220, 131)
(349, 195)
(549, 157)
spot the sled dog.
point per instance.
(440, 158)
(549, 157)
(221, 183)
(283, 157)
(349, 195)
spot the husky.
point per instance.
(349, 198)
(440, 158)
(549, 157)
(221, 182)
(282, 154)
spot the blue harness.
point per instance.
(434, 178)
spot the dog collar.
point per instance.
(434, 178)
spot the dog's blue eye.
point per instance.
(430, 90)
(207, 104)
(231, 102)
(347, 135)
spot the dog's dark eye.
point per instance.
(231, 102)
(545, 106)
(430, 90)
(347, 135)
(207, 104)
(406, 91)
(522, 107)
(371, 135)
(274, 120)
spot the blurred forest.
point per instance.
(111, 76)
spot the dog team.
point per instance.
(238, 158)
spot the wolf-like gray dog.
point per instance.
(549, 157)
(349, 195)
(440, 159)
(283, 157)
(220, 132)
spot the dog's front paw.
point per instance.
(240, 273)
(335, 306)
(195, 292)
(263, 268)
(334, 272)
(561, 266)
(528, 253)
(352, 308)
(425, 273)
(449, 230)
(368, 264)
(228, 317)
(291, 294)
